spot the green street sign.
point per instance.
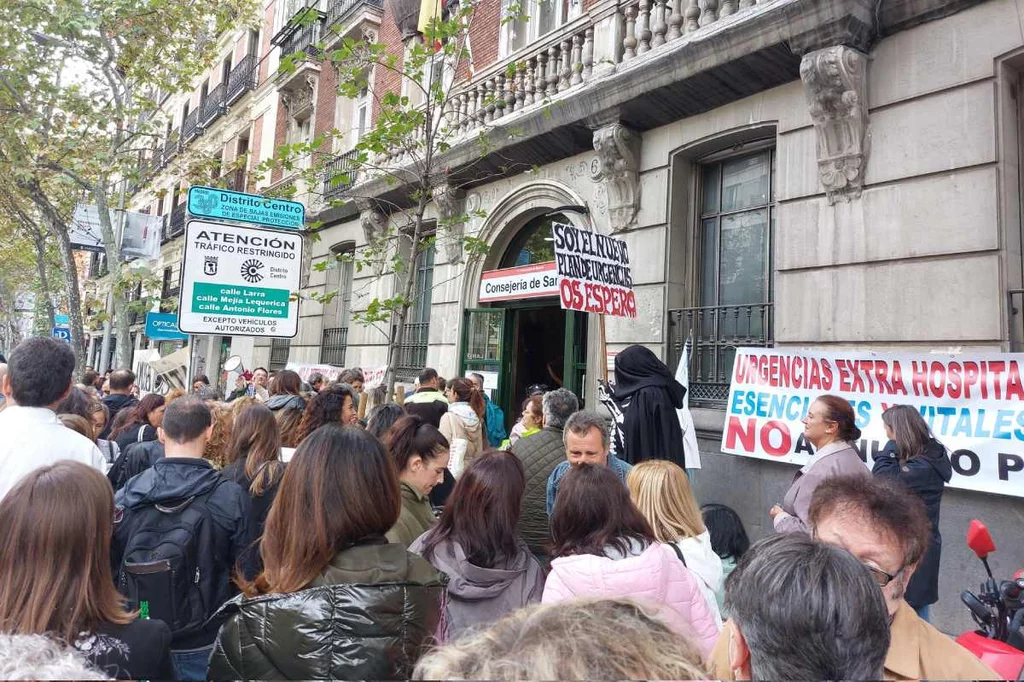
(223, 204)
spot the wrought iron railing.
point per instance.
(233, 180)
(190, 127)
(171, 146)
(333, 346)
(715, 332)
(241, 80)
(339, 174)
(1016, 310)
(174, 223)
(304, 38)
(213, 106)
(279, 349)
(412, 353)
(339, 9)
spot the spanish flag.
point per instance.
(429, 11)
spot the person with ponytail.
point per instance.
(830, 426)
(254, 463)
(463, 423)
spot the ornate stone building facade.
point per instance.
(801, 173)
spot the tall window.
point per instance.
(533, 19)
(254, 43)
(412, 354)
(279, 349)
(339, 311)
(225, 70)
(737, 218)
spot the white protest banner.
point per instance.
(593, 272)
(525, 281)
(372, 378)
(239, 281)
(172, 371)
(974, 405)
(329, 372)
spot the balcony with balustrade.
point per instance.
(641, 63)
(171, 147)
(191, 128)
(213, 107)
(174, 224)
(339, 175)
(341, 15)
(241, 80)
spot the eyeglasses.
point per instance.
(882, 579)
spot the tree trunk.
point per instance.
(122, 326)
(406, 288)
(39, 241)
(59, 230)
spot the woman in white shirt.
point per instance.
(661, 491)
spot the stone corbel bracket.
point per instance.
(618, 155)
(450, 201)
(835, 82)
(374, 224)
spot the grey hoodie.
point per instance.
(285, 400)
(480, 596)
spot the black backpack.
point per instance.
(161, 566)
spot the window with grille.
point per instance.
(279, 349)
(736, 222)
(412, 354)
(339, 311)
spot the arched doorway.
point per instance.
(520, 337)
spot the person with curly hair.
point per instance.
(220, 439)
(334, 405)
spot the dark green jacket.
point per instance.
(368, 616)
(540, 454)
(417, 517)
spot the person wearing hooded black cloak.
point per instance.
(647, 397)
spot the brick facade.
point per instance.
(280, 137)
(326, 104)
(255, 143)
(266, 35)
(388, 80)
(484, 31)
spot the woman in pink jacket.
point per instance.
(603, 547)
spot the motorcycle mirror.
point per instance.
(232, 363)
(979, 539)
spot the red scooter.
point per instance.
(998, 609)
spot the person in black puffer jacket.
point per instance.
(540, 454)
(366, 611)
(913, 457)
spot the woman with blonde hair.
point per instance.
(586, 639)
(661, 491)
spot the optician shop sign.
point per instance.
(239, 281)
(222, 204)
(973, 404)
(526, 281)
(163, 327)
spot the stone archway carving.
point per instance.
(508, 216)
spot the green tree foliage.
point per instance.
(79, 84)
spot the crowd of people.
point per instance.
(290, 533)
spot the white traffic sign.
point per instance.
(239, 281)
